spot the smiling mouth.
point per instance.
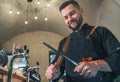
(72, 23)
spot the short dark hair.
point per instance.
(66, 3)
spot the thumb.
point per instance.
(52, 66)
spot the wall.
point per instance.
(110, 16)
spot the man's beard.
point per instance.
(78, 21)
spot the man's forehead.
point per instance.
(67, 9)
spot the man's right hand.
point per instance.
(52, 72)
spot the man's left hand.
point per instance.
(87, 68)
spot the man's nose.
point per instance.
(69, 18)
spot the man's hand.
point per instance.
(90, 68)
(87, 68)
(52, 72)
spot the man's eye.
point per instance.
(72, 13)
(65, 17)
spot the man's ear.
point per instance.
(81, 11)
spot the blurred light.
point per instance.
(26, 22)
(10, 11)
(35, 17)
(48, 5)
(38, 2)
(18, 12)
(46, 19)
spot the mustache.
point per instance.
(72, 21)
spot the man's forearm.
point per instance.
(103, 66)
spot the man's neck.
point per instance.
(79, 27)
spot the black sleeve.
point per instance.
(112, 48)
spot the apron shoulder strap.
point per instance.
(64, 48)
(91, 33)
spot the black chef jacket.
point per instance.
(101, 45)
